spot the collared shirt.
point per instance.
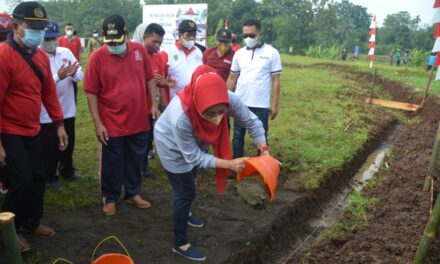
(21, 92)
(120, 83)
(221, 64)
(180, 64)
(236, 47)
(180, 149)
(159, 68)
(256, 67)
(65, 91)
(73, 45)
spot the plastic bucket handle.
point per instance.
(61, 259)
(106, 239)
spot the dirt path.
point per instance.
(234, 232)
(397, 220)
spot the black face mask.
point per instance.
(234, 40)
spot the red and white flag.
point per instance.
(436, 35)
(372, 40)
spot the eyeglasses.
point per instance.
(252, 35)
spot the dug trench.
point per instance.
(400, 212)
(233, 232)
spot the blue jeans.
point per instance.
(121, 162)
(184, 194)
(240, 132)
(150, 144)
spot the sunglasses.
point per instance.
(252, 35)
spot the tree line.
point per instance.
(298, 24)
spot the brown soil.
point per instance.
(397, 220)
(236, 233)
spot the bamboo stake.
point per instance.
(9, 237)
(431, 200)
(428, 234)
(427, 87)
(433, 162)
(372, 84)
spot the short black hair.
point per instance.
(252, 22)
(68, 24)
(154, 28)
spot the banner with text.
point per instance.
(169, 17)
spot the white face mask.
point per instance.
(188, 43)
(250, 42)
(49, 46)
(215, 120)
(69, 33)
(95, 35)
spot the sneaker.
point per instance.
(23, 245)
(74, 177)
(138, 202)
(233, 176)
(57, 186)
(44, 231)
(3, 188)
(194, 221)
(152, 154)
(109, 209)
(149, 175)
(191, 253)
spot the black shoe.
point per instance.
(74, 177)
(233, 176)
(57, 186)
(149, 175)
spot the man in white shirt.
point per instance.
(255, 72)
(182, 58)
(65, 69)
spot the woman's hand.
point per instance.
(237, 165)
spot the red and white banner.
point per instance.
(372, 40)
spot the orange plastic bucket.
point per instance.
(267, 167)
(112, 258)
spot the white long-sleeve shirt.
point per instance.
(180, 150)
(65, 91)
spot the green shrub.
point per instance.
(333, 52)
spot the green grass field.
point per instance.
(310, 136)
(415, 77)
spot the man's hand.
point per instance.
(63, 72)
(155, 112)
(159, 80)
(172, 83)
(62, 138)
(273, 112)
(69, 70)
(2, 156)
(101, 133)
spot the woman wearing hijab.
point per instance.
(195, 119)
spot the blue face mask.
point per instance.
(33, 37)
(117, 50)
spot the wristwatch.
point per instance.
(263, 149)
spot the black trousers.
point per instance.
(75, 90)
(25, 178)
(54, 158)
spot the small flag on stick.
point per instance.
(372, 40)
